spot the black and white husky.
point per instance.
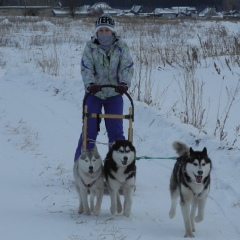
(190, 180)
(88, 175)
(120, 172)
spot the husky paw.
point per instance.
(126, 213)
(189, 235)
(172, 213)
(91, 209)
(112, 210)
(198, 219)
(87, 213)
(80, 210)
(119, 208)
(96, 213)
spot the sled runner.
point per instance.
(86, 115)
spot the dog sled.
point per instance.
(86, 115)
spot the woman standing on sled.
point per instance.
(106, 60)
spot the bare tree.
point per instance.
(72, 5)
(35, 2)
(231, 4)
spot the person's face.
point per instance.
(104, 30)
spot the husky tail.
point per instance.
(180, 148)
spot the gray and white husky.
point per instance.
(120, 172)
(88, 175)
(190, 180)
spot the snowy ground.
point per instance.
(39, 130)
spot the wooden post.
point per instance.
(130, 130)
(84, 146)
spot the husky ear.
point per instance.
(96, 155)
(191, 151)
(113, 143)
(95, 152)
(204, 151)
(83, 155)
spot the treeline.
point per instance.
(149, 5)
(154, 3)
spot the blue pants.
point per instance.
(111, 105)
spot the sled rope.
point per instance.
(147, 157)
(96, 142)
(136, 158)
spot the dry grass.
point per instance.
(155, 44)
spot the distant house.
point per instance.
(166, 13)
(137, 9)
(83, 10)
(113, 11)
(209, 12)
(100, 6)
(185, 11)
(231, 14)
(128, 13)
(65, 12)
(59, 12)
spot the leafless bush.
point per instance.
(221, 121)
(236, 134)
(170, 49)
(191, 91)
(2, 61)
(49, 63)
(28, 138)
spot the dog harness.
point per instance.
(90, 184)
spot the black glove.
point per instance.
(121, 88)
(94, 88)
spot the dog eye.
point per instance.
(203, 164)
(86, 160)
(127, 151)
(121, 151)
(195, 164)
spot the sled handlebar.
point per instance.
(109, 86)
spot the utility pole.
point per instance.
(25, 8)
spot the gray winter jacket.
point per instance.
(101, 68)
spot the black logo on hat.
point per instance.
(105, 21)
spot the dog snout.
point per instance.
(125, 160)
(200, 172)
(90, 168)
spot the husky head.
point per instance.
(90, 161)
(198, 165)
(123, 152)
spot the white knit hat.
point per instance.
(105, 21)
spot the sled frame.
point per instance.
(86, 115)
